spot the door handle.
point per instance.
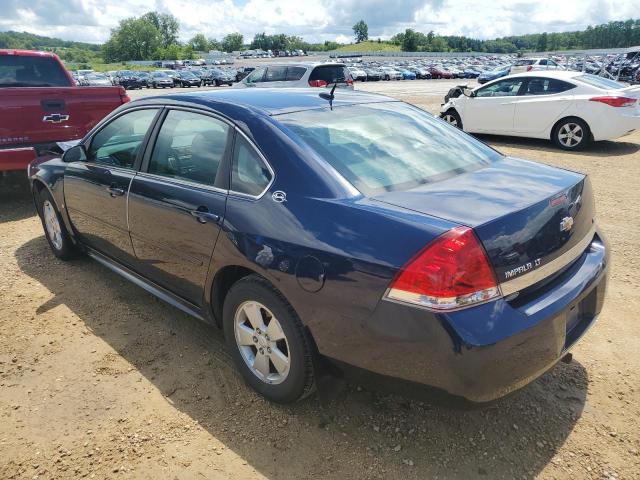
(115, 191)
(202, 214)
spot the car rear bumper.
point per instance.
(484, 352)
(13, 159)
(615, 126)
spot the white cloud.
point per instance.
(91, 20)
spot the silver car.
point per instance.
(296, 75)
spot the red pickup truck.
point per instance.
(41, 106)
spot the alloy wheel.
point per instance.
(570, 135)
(262, 342)
(450, 119)
(52, 224)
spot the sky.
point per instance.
(315, 21)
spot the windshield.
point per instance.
(388, 146)
(30, 71)
(599, 82)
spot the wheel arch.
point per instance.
(227, 277)
(569, 117)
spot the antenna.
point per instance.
(330, 96)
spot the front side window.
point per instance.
(190, 147)
(249, 174)
(118, 143)
(503, 88)
(388, 146)
(255, 76)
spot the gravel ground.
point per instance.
(98, 379)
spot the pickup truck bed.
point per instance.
(40, 105)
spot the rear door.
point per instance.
(95, 190)
(492, 108)
(540, 104)
(177, 202)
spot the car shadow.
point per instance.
(186, 361)
(15, 198)
(598, 149)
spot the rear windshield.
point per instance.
(28, 71)
(600, 82)
(390, 146)
(330, 73)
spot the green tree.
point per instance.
(199, 43)
(232, 42)
(541, 46)
(409, 41)
(361, 31)
(167, 26)
(133, 39)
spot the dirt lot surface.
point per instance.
(98, 379)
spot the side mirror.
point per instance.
(75, 154)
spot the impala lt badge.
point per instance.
(55, 118)
(566, 224)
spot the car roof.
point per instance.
(269, 101)
(560, 74)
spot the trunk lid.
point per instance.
(525, 214)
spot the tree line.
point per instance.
(155, 36)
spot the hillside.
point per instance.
(369, 46)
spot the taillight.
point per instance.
(350, 82)
(615, 101)
(317, 83)
(529, 68)
(124, 98)
(451, 272)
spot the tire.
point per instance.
(290, 381)
(217, 83)
(452, 117)
(571, 134)
(54, 229)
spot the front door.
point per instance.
(492, 108)
(96, 189)
(177, 203)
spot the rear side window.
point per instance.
(330, 74)
(276, 74)
(547, 86)
(189, 147)
(118, 143)
(249, 174)
(27, 71)
(295, 73)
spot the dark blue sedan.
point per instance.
(357, 230)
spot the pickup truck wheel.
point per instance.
(54, 229)
(267, 341)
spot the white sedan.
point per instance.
(570, 108)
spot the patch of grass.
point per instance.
(369, 46)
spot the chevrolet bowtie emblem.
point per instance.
(566, 224)
(55, 118)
